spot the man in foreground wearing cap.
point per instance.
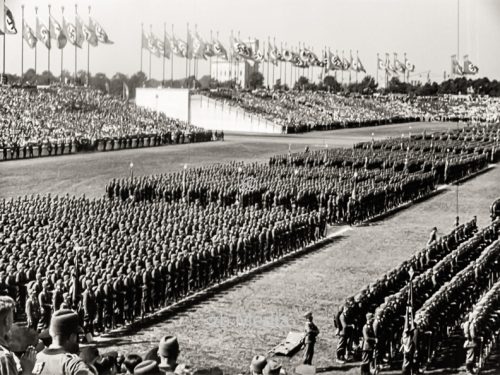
(310, 339)
(257, 365)
(7, 362)
(61, 358)
(168, 351)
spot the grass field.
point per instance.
(229, 328)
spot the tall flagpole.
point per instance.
(187, 53)
(342, 74)
(458, 29)
(172, 60)
(62, 49)
(350, 65)
(357, 67)
(163, 55)
(150, 53)
(76, 40)
(88, 58)
(4, 36)
(48, 53)
(217, 64)
(273, 82)
(268, 49)
(377, 67)
(285, 68)
(210, 57)
(142, 38)
(22, 45)
(36, 13)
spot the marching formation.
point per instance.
(415, 308)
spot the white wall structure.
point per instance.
(202, 111)
(217, 115)
(173, 102)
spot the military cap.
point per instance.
(64, 322)
(258, 363)
(369, 316)
(148, 367)
(168, 346)
(308, 315)
(272, 368)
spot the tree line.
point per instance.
(367, 86)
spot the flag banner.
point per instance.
(126, 92)
(346, 64)
(300, 64)
(183, 48)
(273, 55)
(399, 66)
(259, 56)
(167, 46)
(208, 51)
(287, 55)
(469, 67)
(57, 33)
(337, 62)
(2, 17)
(361, 68)
(240, 49)
(409, 66)
(304, 55)
(176, 50)
(153, 45)
(144, 41)
(381, 64)
(456, 68)
(160, 47)
(10, 24)
(80, 36)
(42, 33)
(29, 36)
(101, 34)
(219, 50)
(88, 32)
(70, 31)
(389, 68)
(313, 59)
(195, 46)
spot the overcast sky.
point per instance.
(425, 29)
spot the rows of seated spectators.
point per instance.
(300, 111)
(64, 120)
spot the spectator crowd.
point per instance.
(62, 120)
(299, 112)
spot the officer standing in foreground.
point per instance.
(61, 357)
(311, 332)
(369, 343)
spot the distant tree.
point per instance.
(136, 80)
(331, 84)
(256, 80)
(116, 84)
(99, 82)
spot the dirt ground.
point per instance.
(227, 329)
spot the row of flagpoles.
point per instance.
(195, 48)
(76, 34)
(465, 68)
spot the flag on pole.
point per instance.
(167, 46)
(101, 34)
(240, 49)
(381, 65)
(196, 46)
(2, 17)
(126, 92)
(399, 66)
(56, 32)
(469, 67)
(360, 68)
(219, 50)
(144, 41)
(456, 68)
(409, 66)
(346, 64)
(42, 33)
(10, 24)
(70, 31)
(29, 36)
(273, 55)
(80, 36)
(304, 55)
(208, 51)
(88, 33)
(154, 45)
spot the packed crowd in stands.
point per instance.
(64, 120)
(299, 112)
(151, 241)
